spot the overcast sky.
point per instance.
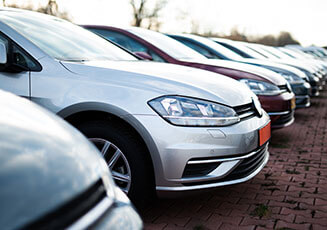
(304, 19)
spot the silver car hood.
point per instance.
(44, 162)
(166, 79)
(263, 73)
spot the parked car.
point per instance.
(213, 50)
(256, 57)
(52, 177)
(319, 52)
(273, 92)
(252, 54)
(159, 126)
(300, 55)
(319, 67)
(271, 54)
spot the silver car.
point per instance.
(51, 177)
(159, 126)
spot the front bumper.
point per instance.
(316, 86)
(302, 101)
(279, 108)
(281, 119)
(180, 147)
(302, 94)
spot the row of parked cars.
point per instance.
(197, 116)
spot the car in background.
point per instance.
(273, 92)
(319, 66)
(300, 55)
(160, 127)
(52, 177)
(318, 52)
(255, 57)
(213, 50)
(274, 55)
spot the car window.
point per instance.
(254, 52)
(198, 48)
(223, 51)
(167, 44)
(127, 42)
(63, 40)
(19, 55)
(234, 49)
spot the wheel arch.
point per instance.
(89, 111)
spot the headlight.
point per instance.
(292, 79)
(186, 111)
(261, 87)
(314, 78)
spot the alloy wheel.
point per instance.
(117, 162)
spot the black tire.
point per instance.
(141, 190)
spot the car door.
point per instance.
(17, 80)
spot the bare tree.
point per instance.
(51, 8)
(282, 39)
(269, 40)
(143, 14)
(285, 38)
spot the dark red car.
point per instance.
(272, 89)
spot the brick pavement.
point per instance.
(289, 193)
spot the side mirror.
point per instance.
(144, 55)
(3, 53)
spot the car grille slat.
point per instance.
(245, 111)
(243, 169)
(70, 212)
(284, 88)
(247, 165)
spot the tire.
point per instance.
(141, 185)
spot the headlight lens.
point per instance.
(314, 78)
(186, 111)
(261, 87)
(292, 79)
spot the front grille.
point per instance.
(70, 212)
(284, 88)
(245, 168)
(245, 111)
(283, 119)
(300, 90)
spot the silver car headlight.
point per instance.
(292, 79)
(261, 87)
(185, 111)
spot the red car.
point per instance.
(272, 89)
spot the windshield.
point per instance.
(62, 40)
(262, 51)
(168, 45)
(290, 54)
(219, 48)
(252, 52)
(293, 53)
(247, 50)
(277, 52)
